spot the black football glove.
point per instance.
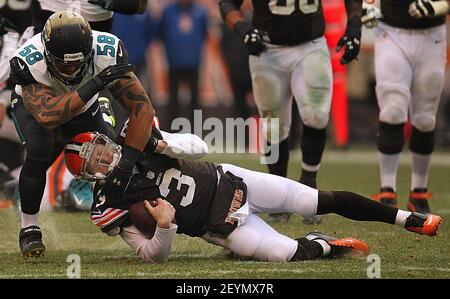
(101, 80)
(351, 41)
(6, 25)
(113, 72)
(117, 182)
(252, 38)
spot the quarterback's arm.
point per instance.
(182, 146)
(132, 96)
(154, 250)
(231, 13)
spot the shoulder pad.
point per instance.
(20, 73)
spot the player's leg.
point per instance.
(394, 76)
(256, 239)
(42, 149)
(273, 98)
(427, 87)
(311, 83)
(267, 193)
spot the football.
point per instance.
(142, 219)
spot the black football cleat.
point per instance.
(341, 247)
(386, 196)
(30, 242)
(418, 201)
(427, 225)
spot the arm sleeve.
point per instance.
(154, 250)
(184, 146)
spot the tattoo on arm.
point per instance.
(130, 94)
(48, 109)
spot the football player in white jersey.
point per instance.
(98, 13)
(289, 58)
(410, 59)
(58, 76)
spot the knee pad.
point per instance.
(316, 98)
(390, 140)
(312, 145)
(424, 122)
(421, 142)
(393, 100)
(274, 124)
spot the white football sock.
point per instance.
(388, 169)
(401, 217)
(420, 167)
(28, 220)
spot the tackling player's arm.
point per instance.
(52, 110)
(133, 97)
(48, 109)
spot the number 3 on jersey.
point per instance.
(181, 179)
(287, 7)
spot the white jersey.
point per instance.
(91, 12)
(106, 52)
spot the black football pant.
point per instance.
(44, 146)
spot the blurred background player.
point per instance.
(183, 25)
(15, 18)
(98, 13)
(290, 58)
(58, 76)
(410, 59)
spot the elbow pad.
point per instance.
(226, 6)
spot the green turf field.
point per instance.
(403, 254)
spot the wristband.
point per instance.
(129, 157)
(90, 89)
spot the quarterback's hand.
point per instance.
(6, 25)
(351, 41)
(106, 4)
(113, 72)
(371, 15)
(252, 38)
(162, 211)
(427, 8)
